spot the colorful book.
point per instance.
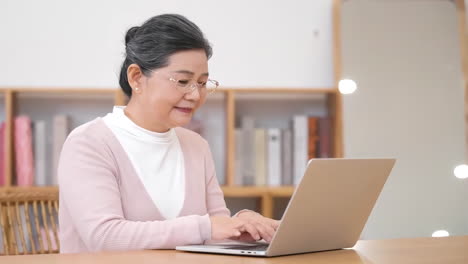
(23, 151)
(312, 139)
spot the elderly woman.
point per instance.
(135, 179)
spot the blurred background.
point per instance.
(405, 56)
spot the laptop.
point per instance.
(327, 210)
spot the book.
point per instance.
(248, 148)
(238, 175)
(325, 148)
(274, 156)
(286, 157)
(300, 135)
(60, 132)
(40, 156)
(23, 151)
(312, 139)
(260, 157)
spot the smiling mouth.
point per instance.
(184, 109)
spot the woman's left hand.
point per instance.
(257, 227)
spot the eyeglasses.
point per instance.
(186, 86)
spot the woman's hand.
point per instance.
(247, 226)
(255, 227)
(225, 227)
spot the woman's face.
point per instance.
(163, 101)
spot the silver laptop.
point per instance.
(327, 211)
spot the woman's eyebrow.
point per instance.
(191, 73)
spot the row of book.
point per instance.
(33, 143)
(264, 156)
(274, 156)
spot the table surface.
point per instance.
(410, 250)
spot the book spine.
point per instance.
(300, 147)
(238, 176)
(312, 137)
(274, 157)
(260, 157)
(325, 136)
(287, 148)
(40, 153)
(248, 162)
(23, 151)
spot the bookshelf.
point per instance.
(219, 114)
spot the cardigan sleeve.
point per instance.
(214, 195)
(90, 193)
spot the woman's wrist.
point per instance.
(244, 211)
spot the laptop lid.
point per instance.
(330, 205)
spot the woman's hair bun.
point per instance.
(130, 34)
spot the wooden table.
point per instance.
(397, 251)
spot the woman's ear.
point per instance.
(134, 76)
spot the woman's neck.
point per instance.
(141, 119)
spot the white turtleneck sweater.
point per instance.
(157, 158)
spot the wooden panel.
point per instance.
(284, 191)
(120, 98)
(336, 16)
(20, 227)
(334, 104)
(330, 90)
(337, 103)
(29, 189)
(230, 138)
(62, 90)
(4, 230)
(267, 205)
(9, 155)
(254, 191)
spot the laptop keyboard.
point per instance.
(250, 248)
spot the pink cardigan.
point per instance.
(104, 205)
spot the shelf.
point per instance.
(43, 90)
(257, 191)
(235, 191)
(282, 90)
(4, 189)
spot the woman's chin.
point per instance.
(182, 122)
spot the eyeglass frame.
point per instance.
(192, 86)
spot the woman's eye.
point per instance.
(183, 82)
(202, 83)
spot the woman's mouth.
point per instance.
(186, 110)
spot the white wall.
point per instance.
(405, 57)
(80, 43)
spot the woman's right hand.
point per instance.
(225, 227)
